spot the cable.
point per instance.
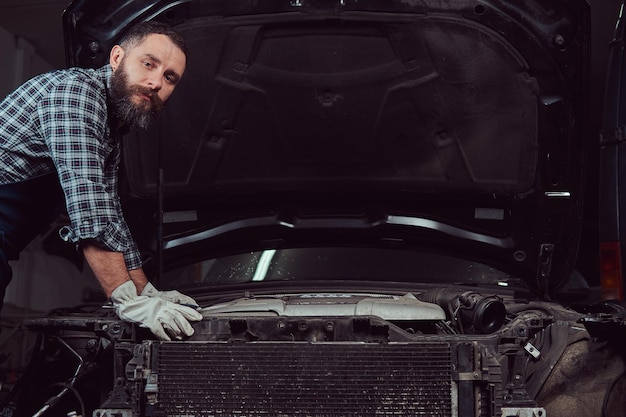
(74, 391)
(67, 387)
(605, 403)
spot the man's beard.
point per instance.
(127, 111)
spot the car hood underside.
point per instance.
(452, 125)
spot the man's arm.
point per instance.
(166, 319)
(110, 269)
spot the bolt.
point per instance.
(94, 47)
(91, 345)
(519, 256)
(559, 40)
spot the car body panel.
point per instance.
(611, 198)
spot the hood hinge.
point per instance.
(545, 266)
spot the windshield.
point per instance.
(345, 264)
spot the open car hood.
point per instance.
(451, 125)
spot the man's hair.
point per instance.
(137, 33)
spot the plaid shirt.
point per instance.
(59, 121)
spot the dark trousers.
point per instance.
(26, 209)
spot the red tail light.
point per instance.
(611, 271)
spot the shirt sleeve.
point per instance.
(74, 122)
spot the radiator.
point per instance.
(208, 379)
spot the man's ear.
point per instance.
(116, 56)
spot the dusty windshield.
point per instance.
(327, 264)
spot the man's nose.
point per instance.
(155, 82)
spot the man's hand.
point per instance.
(173, 296)
(164, 318)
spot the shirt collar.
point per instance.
(105, 73)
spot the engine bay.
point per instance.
(441, 352)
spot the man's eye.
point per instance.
(147, 64)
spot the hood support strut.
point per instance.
(546, 251)
(160, 210)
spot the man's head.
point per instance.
(147, 65)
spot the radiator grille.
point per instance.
(303, 379)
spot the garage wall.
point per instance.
(19, 63)
(7, 66)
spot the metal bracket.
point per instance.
(609, 137)
(113, 412)
(524, 412)
(469, 376)
(533, 351)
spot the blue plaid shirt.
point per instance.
(59, 121)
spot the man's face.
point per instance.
(144, 77)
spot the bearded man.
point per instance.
(60, 150)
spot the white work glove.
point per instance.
(174, 296)
(164, 318)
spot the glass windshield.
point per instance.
(327, 264)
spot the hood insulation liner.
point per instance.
(427, 102)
